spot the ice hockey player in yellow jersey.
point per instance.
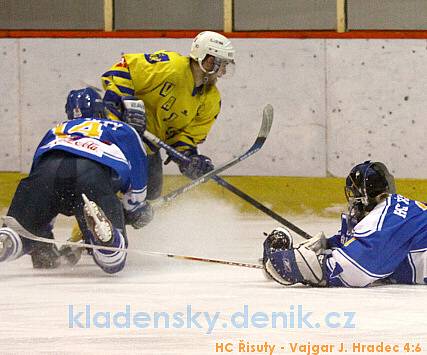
(180, 97)
(181, 102)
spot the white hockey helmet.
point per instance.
(214, 44)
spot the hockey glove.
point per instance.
(140, 217)
(279, 239)
(198, 166)
(298, 265)
(134, 113)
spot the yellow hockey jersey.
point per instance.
(177, 112)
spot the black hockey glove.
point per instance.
(134, 113)
(199, 165)
(140, 217)
(279, 239)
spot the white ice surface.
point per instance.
(34, 313)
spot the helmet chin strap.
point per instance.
(215, 69)
(206, 73)
(204, 70)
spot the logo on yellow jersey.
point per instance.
(156, 57)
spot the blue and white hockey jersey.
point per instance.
(111, 143)
(389, 243)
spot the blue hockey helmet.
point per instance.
(367, 182)
(84, 103)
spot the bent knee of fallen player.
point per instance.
(109, 261)
(112, 261)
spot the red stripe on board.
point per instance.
(192, 33)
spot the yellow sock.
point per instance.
(76, 234)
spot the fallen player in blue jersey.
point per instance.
(383, 239)
(88, 155)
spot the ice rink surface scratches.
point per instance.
(35, 304)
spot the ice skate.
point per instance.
(6, 246)
(10, 244)
(97, 222)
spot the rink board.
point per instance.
(337, 101)
(282, 194)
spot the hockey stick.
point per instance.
(12, 223)
(264, 209)
(216, 261)
(267, 120)
(268, 111)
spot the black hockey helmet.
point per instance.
(367, 182)
(84, 103)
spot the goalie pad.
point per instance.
(318, 243)
(300, 265)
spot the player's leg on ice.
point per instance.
(34, 207)
(155, 176)
(96, 221)
(102, 232)
(101, 219)
(71, 254)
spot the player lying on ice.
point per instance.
(383, 239)
(86, 155)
